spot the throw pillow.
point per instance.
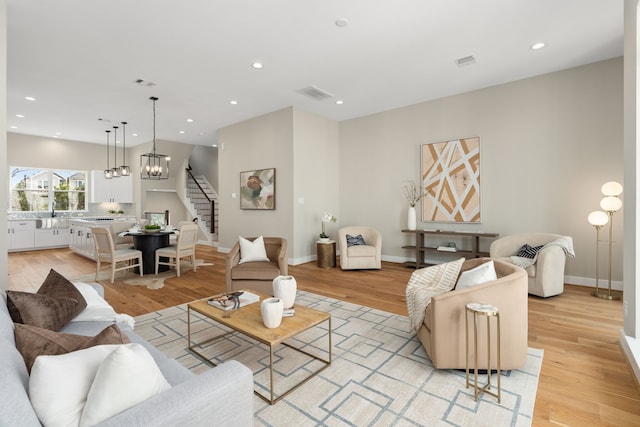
(59, 385)
(32, 341)
(56, 285)
(527, 251)
(355, 241)
(483, 273)
(98, 309)
(252, 251)
(43, 311)
(427, 283)
(128, 376)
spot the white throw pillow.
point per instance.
(97, 308)
(252, 251)
(477, 276)
(58, 385)
(128, 376)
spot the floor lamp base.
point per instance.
(606, 295)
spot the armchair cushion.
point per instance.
(252, 251)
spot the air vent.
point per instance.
(467, 60)
(143, 82)
(315, 93)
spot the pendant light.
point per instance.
(152, 165)
(115, 172)
(108, 172)
(124, 169)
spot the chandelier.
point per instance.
(124, 169)
(152, 165)
(108, 173)
(115, 172)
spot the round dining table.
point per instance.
(147, 243)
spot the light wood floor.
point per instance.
(585, 380)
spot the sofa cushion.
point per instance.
(252, 251)
(56, 285)
(32, 341)
(43, 311)
(476, 276)
(361, 251)
(255, 271)
(527, 251)
(355, 241)
(125, 378)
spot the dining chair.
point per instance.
(106, 252)
(185, 247)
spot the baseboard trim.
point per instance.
(631, 350)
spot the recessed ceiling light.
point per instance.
(134, 134)
(20, 116)
(201, 134)
(257, 65)
(233, 102)
(190, 120)
(118, 142)
(13, 127)
(342, 22)
(56, 136)
(339, 102)
(538, 46)
(181, 131)
(214, 145)
(58, 133)
(29, 98)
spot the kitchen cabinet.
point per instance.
(80, 239)
(114, 190)
(21, 234)
(51, 237)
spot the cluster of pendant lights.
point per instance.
(152, 165)
(117, 171)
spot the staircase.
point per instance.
(200, 195)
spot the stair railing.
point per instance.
(204, 193)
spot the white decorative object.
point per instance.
(285, 288)
(411, 218)
(271, 310)
(324, 239)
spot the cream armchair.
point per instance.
(257, 275)
(546, 275)
(442, 332)
(367, 256)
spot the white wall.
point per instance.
(204, 161)
(547, 145)
(3, 137)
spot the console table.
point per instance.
(421, 248)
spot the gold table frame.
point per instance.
(248, 321)
(489, 311)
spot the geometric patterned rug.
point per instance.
(379, 375)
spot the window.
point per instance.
(34, 189)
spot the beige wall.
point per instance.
(547, 145)
(204, 161)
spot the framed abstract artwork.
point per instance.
(451, 181)
(258, 189)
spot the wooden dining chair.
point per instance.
(106, 252)
(185, 247)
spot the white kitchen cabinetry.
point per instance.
(114, 190)
(21, 234)
(52, 237)
(81, 240)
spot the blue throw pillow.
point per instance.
(355, 241)
(530, 252)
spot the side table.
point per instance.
(326, 254)
(489, 311)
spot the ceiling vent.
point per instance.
(143, 82)
(315, 93)
(467, 60)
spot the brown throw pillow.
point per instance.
(56, 285)
(42, 311)
(32, 341)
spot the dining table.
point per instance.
(147, 243)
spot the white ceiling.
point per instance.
(80, 58)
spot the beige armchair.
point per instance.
(546, 275)
(442, 332)
(359, 257)
(257, 275)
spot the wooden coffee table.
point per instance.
(248, 321)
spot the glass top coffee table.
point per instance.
(248, 321)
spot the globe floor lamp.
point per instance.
(611, 203)
(598, 219)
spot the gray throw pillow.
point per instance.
(355, 241)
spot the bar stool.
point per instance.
(489, 311)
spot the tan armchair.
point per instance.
(360, 257)
(257, 275)
(442, 332)
(546, 276)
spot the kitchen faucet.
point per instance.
(53, 211)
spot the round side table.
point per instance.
(326, 254)
(489, 312)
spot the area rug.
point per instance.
(151, 281)
(379, 375)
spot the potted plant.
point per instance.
(413, 194)
(327, 217)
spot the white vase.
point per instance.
(285, 287)
(271, 311)
(411, 218)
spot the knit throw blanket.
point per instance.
(426, 283)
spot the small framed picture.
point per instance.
(258, 189)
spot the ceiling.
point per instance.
(80, 59)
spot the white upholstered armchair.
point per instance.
(360, 256)
(546, 274)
